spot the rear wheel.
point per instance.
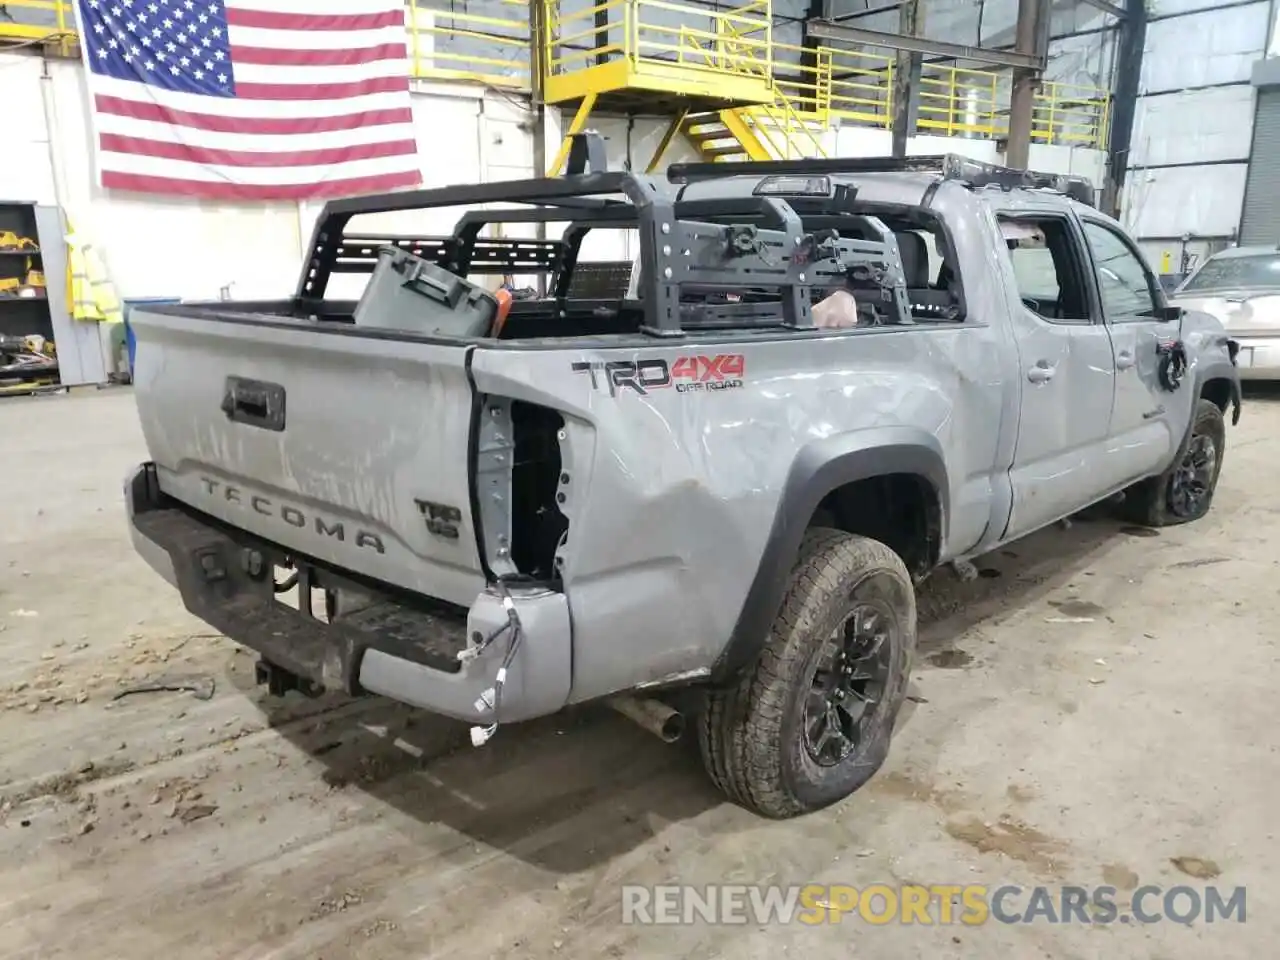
(810, 723)
(1185, 491)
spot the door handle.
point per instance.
(1124, 360)
(1042, 372)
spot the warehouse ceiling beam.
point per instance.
(829, 30)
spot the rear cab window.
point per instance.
(1049, 266)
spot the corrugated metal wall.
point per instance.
(1260, 220)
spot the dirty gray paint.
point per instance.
(359, 447)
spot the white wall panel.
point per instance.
(991, 23)
(1195, 126)
(1201, 201)
(1218, 46)
(1084, 61)
(1079, 161)
(1073, 17)
(1162, 8)
(25, 171)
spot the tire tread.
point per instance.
(1144, 502)
(739, 729)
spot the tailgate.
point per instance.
(324, 439)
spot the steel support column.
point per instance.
(1124, 100)
(1026, 80)
(906, 77)
(809, 45)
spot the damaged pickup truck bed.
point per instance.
(690, 500)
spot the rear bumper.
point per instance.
(405, 648)
(1258, 358)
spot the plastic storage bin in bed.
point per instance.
(408, 293)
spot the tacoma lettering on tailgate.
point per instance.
(292, 515)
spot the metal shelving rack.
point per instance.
(24, 302)
(78, 346)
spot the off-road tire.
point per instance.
(1148, 501)
(751, 735)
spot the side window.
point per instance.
(1047, 267)
(1123, 281)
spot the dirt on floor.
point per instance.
(1097, 708)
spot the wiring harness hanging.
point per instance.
(491, 699)
(1172, 364)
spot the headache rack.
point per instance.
(696, 257)
(948, 166)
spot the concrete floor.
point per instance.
(1102, 711)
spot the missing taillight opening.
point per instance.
(537, 524)
(520, 485)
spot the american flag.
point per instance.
(250, 100)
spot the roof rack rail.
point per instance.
(950, 166)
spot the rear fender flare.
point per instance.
(1220, 370)
(819, 468)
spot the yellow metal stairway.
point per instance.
(724, 135)
(761, 132)
(711, 70)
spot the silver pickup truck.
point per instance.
(686, 499)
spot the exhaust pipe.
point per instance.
(655, 716)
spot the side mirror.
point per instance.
(1168, 314)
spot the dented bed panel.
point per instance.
(343, 447)
(680, 459)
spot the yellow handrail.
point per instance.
(735, 42)
(783, 118)
(446, 43)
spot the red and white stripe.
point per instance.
(322, 109)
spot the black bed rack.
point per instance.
(707, 245)
(949, 166)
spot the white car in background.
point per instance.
(1241, 287)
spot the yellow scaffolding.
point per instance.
(52, 21)
(664, 48)
(716, 69)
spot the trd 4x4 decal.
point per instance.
(688, 374)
